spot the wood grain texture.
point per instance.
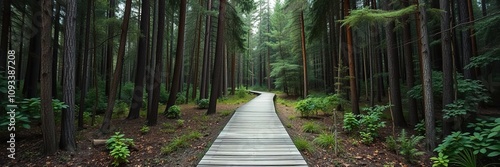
(254, 137)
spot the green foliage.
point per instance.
(369, 16)
(350, 122)
(163, 95)
(241, 92)
(144, 129)
(127, 91)
(203, 103)
(420, 127)
(302, 144)
(371, 122)
(465, 158)
(470, 94)
(405, 146)
(180, 123)
(440, 161)
(91, 101)
(225, 113)
(173, 112)
(408, 146)
(28, 111)
(118, 146)
(180, 142)
(311, 127)
(181, 98)
(325, 140)
(121, 108)
(306, 107)
(483, 140)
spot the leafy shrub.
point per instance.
(127, 91)
(181, 98)
(241, 92)
(163, 94)
(180, 123)
(391, 144)
(325, 140)
(173, 112)
(144, 129)
(350, 122)
(91, 101)
(408, 146)
(180, 142)
(302, 144)
(420, 127)
(121, 108)
(29, 110)
(371, 122)
(311, 127)
(119, 148)
(306, 107)
(440, 161)
(465, 158)
(203, 103)
(483, 140)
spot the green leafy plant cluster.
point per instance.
(144, 129)
(366, 124)
(180, 142)
(203, 103)
(406, 146)
(325, 140)
(482, 141)
(303, 145)
(241, 92)
(119, 148)
(311, 127)
(29, 110)
(312, 105)
(173, 112)
(181, 98)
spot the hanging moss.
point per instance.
(375, 16)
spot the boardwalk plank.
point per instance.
(254, 136)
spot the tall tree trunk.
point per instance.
(304, 53)
(483, 8)
(430, 132)
(393, 69)
(410, 74)
(55, 50)
(352, 73)
(178, 57)
(206, 55)
(33, 67)
(142, 53)
(463, 16)
(6, 22)
(67, 140)
(109, 49)
(197, 54)
(448, 91)
(84, 77)
(233, 71)
(47, 115)
(152, 115)
(268, 69)
(219, 50)
(118, 69)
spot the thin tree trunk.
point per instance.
(427, 81)
(410, 74)
(197, 54)
(463, 16)
(84, 77)
(152, 115)
(47, 115)
(55, 50)
(352, 73)
(304, 53)
(118, 69)
(178, 57)
(206, 55)
(109, 49)
(67, 140)
(142, 53)
(216, 79)
(448, 91)
(6, 23)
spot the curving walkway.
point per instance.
(254, 137)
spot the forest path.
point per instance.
(254, 136)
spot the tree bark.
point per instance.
(219, 50)
(140, 70)
(6, 23)
(448, 90)
(109, 48)
(67, 140)
(152, 115)
(118, 69)
(352, 72)
(84, 77)
(410, 74)
(55, 51)
(430, 131)
(463, 16)
(206, 55)
(304, 53)
(47, 115)
(178, 57)
(393, 69)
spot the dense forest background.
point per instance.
(430, 60)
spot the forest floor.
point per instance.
(351, 151)
(148, 145)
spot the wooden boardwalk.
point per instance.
(254, 137)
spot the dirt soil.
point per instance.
(148, 152)
(352, 152)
